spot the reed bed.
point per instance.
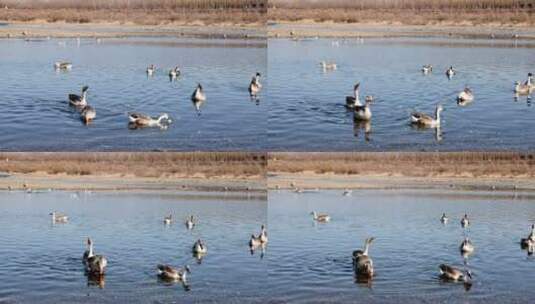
(412, 164)
(144, 12)
(138, 164)
(406, 12)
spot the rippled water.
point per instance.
(41, 262)
(311, 262)
(35, 114)
(307, 104)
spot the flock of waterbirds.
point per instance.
(140, 120)
(363, 263)
(362, 111)
(95, 265)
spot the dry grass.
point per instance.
(409, 12)
(143, 164)
(413, 164)
(144, 12)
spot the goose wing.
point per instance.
(420, 117)
(166, 268)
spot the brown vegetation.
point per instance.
(142, 164)
(412, 164)
(409, 12)
(145, 12)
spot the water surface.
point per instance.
(42, 262)
(310, 262)
(307, 110)
(36, 115)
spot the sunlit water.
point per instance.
(307, 104)
(311, 262)
(42, 262)
(36, 116)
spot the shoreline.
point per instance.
(311, 29)
(36, 30)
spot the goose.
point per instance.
(425, 120)
(465, 96)
(198, 95)
(322, 218)
(169, 273)
(77, 100)
(59, 217)
(444, 218)
(328, 65)
(426, 69)
(88, 114)
(362, 261)
(150, 70)
(62, 65)
(522, 89)
(465, 222)
(363, 113)
(263, 235)
(168, 219)
(525, 242)
(199, 247)
(347, 192)
(466, 246)
(451, 273)
(254, 242)
(529, 82)
(450, 72)
(190, 223)
(94, 264)
(143, 120)
(352, 101)
(255, 86)
(174, 73)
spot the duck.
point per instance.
(328, 65)
(199, 247)
(168, 219)
(525, 242)
(450, 72)
(322, 218)
(79, 100)
(198, 95)
(190, 223)
(444, 218)
(62, 65)
(169, 273)
(59, 217)
(255, 86)
(465, 222)
(94, 264)
(522, 89)
(426, 69)
(174, 73)
(88, 114)
(466, 246)
(143, 120)
(451, 273)
(362, 262)
(425, 120)
(465, 96)
(352, 101)
(150, 70)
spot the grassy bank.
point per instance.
(407, 12)
(159, 165)
(409, 164)
(142, 12)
